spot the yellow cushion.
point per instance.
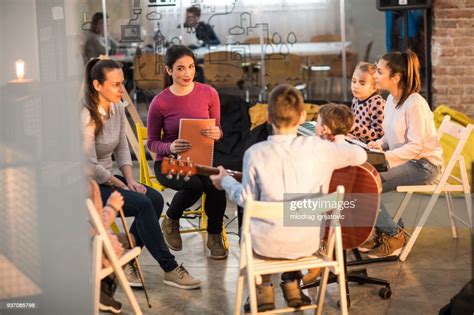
(449, 143)
(258, 113)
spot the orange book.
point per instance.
(202, 148)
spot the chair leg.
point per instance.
(322, 290)
(97, 246)
(468, 198)
(449, 201)
(203, 214)
(225, 240)
(240, 282)
(418, 227)
(128, 290)
(403, 206)
(252, 290)
(341, 277)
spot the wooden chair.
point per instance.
(224, 69)
(148, 73)
(284, 69)
(148, 178)
(326, 38)
(101, 244)
(462, 134)
(253, 267)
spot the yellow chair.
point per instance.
(148, 178)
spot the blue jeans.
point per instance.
(146, 227)
(413, 172)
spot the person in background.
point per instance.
(410, 144)
(94, 42)
(204, 32)
(367, 104)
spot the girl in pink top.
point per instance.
(184, 98)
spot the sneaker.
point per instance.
(389, 245)
(170, 228)
(293, 295)
(109, 304)
(311, 276)
(132, 276)
(265, 299)
(216, 245)
(371, 243)
(180, 278)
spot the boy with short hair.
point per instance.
(285, 163)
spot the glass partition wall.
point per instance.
(244, 47)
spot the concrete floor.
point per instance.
(436, 269)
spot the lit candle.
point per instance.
(20, 69)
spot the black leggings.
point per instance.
(188, 192)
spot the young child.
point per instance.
(367, 104)
(285, 163)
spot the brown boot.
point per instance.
(371, 243)
(311, 276)
(389, 245)
(294, 297)
(170, 229)
(265, 299)
(216, 245)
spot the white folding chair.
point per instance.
(102, 243)
(254, 267)
(462, 134)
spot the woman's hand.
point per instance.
(374, 145)
(134, 186)
(180, 145)
(213, 132)
(115, 200)
(217, 179)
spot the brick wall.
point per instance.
(453, 54)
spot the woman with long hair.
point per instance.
(409, 141)
(184, 98)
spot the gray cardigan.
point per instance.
(112, 140)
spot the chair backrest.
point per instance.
(149, 71)
(462, 134)
(336, 64)
(146, 173)
(326, 38)
(223, 69)
(368, 50)
(256, 40)
(276, 210)
(283, 69)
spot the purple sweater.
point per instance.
(167, 109)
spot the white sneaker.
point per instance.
(180, 278)
(132, 276)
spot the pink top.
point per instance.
(167, 109)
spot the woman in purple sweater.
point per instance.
(183, 98)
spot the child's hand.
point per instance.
(115, 200)
(217, 179)
(374, 145)
(212, 132)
